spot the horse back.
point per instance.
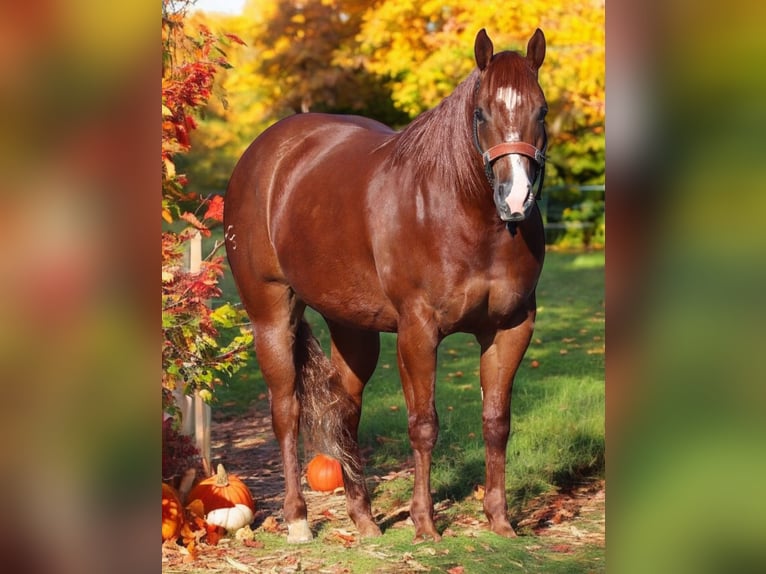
(296, 200)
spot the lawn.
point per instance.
(557, 441)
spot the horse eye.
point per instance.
(479, 113)
(543, 113)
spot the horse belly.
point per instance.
(341, 291)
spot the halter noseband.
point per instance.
(506, 148)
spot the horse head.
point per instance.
(509, 124)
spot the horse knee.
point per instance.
(423, 431)
(496, 429)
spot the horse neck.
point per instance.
(438, 145)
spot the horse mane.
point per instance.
(441, 141)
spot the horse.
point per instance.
(422, 232)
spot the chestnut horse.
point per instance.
(424, 232)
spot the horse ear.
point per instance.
(536, 49)
(482, 49)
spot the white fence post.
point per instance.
(196, 415)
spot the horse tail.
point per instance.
(325, 405)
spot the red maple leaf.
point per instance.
(215, 209)
(196, 223)
(235, 38)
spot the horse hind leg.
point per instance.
(276, 315)
(354, 357)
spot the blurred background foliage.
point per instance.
(393, 59)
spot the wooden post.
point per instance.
(200, 414)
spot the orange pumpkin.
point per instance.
(222, 490)
(172, 513)
(324, 473)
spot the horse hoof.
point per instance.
(369, 530)
(504, 529)
(425, 535)
(298, 532)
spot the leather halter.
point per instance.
(517, 147)
(506, 148)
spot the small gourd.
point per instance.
(172, 513)
(226, 499)
(324, 473)
(232, 518)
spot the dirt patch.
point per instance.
(577, 515)
(247, 448)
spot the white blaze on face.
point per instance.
(521, 185)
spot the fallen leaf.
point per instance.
(478, 492)
(270, 524)
(330, 514)
(456, 570)
(344, 536)
(214, 534)
(193, 529)
(196, 508)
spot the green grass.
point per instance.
(395, 553)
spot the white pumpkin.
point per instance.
(232, 518)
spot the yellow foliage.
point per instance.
(299, 54)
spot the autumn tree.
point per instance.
(193, 354)
(391, 60)
(300, 56)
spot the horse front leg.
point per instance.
(500, 358)
(416, 352)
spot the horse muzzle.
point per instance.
(513, 203)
